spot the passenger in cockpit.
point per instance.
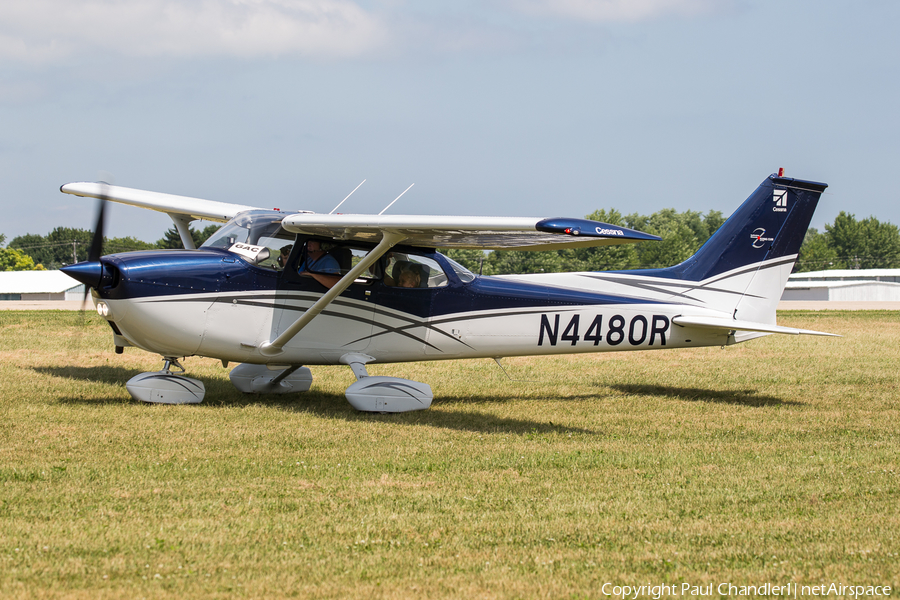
(284, 254)
(410, 278)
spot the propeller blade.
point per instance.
(84, 302)
(96, 249)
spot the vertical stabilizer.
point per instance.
(754, 251)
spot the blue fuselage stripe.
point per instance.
(214, 276)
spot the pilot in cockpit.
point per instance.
(320, 265)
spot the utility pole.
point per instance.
(74, 252)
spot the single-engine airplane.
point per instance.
(384, 294)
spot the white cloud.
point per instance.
(611, 10)
(47, 31)
(52, 32)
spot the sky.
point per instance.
(490, 107)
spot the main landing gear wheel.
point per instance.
(165, 387)
(384, 394)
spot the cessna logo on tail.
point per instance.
(780, 198)
(757, 236)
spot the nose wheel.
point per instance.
(166, 387)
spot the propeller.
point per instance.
(91, 271)
(96, 249)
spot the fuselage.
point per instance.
(214, 303)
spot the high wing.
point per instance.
(488, 233)
(192, 208)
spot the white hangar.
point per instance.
(39, 285)
(845, 285)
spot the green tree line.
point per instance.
(66, 245)
(851, 244)
(16, 260)
(848, 243)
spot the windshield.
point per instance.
(255, 235)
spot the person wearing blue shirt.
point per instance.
(319, 265)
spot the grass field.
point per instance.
(771, 461)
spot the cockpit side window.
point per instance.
(332, 258)
(413, 271)
(465, 275)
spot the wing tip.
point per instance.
(592, 229)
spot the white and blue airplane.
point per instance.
(278, 291)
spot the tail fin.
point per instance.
(753, 252)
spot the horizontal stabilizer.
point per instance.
(724, 323)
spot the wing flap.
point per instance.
(195, 208)
(724, 323)
(487, 233)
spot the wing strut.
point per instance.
(276, 346)
(183, 227)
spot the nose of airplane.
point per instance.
(88, 273)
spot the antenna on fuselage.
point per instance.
(348, 195)
(395, 199)
(497, 360)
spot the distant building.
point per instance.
(39, 285)
(845, 285)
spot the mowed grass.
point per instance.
(775, 460)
